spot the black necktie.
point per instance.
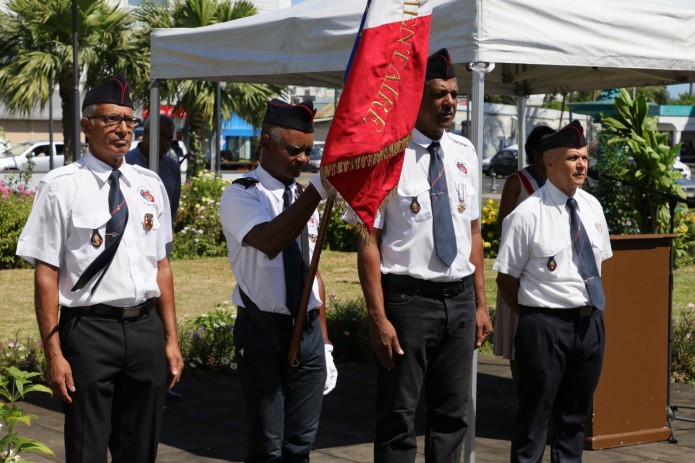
(294, 262)
(442, 223)
(587, 262)
(114, 233)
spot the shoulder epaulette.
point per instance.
(246, 181)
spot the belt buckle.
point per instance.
(586, 310)
(132, 312)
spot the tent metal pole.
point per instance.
(521, 130)
(154, 126)
(476, 134)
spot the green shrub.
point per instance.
(15, 206)
(198, 230)
(340, 235)
(683, 347)
(207, 341)
(348, 328)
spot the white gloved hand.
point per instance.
(316, 181)
(331, 370)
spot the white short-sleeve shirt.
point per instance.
(536, 247)
(261, 278)
(67, 224)
(407, 238)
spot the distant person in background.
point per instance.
(517, 187)
(169, 170)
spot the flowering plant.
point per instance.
(15, 205)
(207, 342)
(198, 229)
(489, 229)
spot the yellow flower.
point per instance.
(486, 244)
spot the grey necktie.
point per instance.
(587, 263)
(442, 222)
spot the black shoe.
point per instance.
(171, 395)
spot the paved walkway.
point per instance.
(209, 424)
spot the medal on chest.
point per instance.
(148, 222)
(414, 206)
(552, 265)
(460, 195)
(96, 239)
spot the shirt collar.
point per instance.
(275, 186)
(422, 139)
(557, 196)
(102, 171)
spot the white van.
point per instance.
(16, 158)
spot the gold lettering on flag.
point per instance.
(386, 97)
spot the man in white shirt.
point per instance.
(421, 272)
(270, 224)
(549, 264)
(97, 234)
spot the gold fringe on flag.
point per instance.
(367, 160)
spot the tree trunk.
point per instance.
(65, 89)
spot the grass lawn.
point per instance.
(201, 284)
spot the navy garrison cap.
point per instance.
(298, 117)
(114, 90)
(570, 136)
(439, 66)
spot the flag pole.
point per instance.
(300, 321)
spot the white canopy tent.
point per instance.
(537, 46)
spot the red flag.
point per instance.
(376, 114)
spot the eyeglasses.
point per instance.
(112, 120)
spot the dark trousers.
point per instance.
(282, 423)
(559, 355)
(120, 369)
(437, 336)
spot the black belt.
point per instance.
(311, 315)
(575, 312)
(108, 311)
(405, 284)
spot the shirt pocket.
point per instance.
(552, 259)
(87, 239)
(414, 201)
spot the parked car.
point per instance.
(315, 157)
(504, 162)
(688, 186)
(485, 164)
(17, 157)
(682, 168)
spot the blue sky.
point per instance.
(676, 90)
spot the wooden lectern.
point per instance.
(631, 398)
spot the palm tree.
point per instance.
(36, 53)
(197, 98)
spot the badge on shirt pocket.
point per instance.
(96, 239)
(148, 221)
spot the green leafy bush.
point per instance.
(15, 206)
(207, 342)
(635, 134)
(683, 347)
(348, 328)
(198, 230)
(340, 235)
